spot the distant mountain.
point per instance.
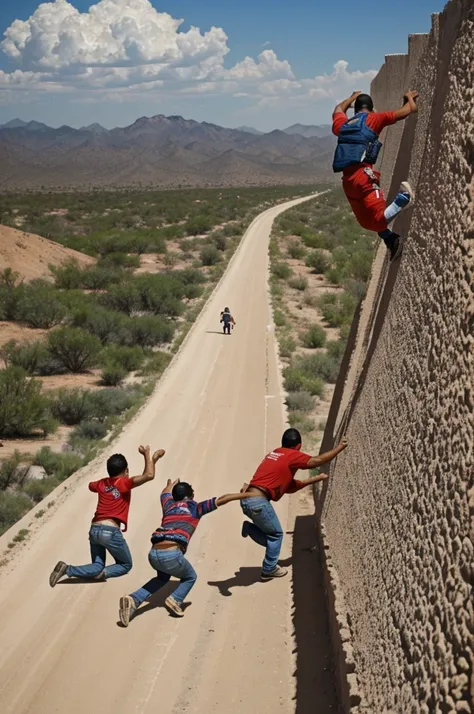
(157, 151)
(249, 130)
(28, 126)
(309, 131)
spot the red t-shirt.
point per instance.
(377, 121)
(276, 473)
(114, 498)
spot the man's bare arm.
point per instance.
(149, 467)
(344, 106)
(409, 106)
(316, 461)
(222, 500)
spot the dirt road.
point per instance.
(216, 412)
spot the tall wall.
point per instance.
(398, 514)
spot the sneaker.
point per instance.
(405, 187)
(100, 578)
(174, 607)
(277, 572)
(395, 248)
(58, 573)
(245, 529)
(127, 609)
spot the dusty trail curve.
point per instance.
(216, 411)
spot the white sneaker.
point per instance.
(406, 188)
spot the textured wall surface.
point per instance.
(398, 516)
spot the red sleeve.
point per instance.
(379, 120)
(296, 486)
(338, 120)
(124, 484)
(300, 461)
(94, 486)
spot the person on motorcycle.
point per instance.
(227, 320)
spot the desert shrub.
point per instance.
(11, 292)
(282, 271)
(287, 347)
(60, 465)
(129, 358)
(300, 421)
(300, 401)
(39, 307)
(313, 240)
(219, 240)
(298, 381)
(198, 224)
(101, 277)
(13, 506)
(336, 349)
(298, 283)
(23, 409)
(210, 255)
(156, 363)
(27, 355)
(160, 294)
(279, 318)
(190, 276)
(76, 349)
(314, 337)
(318, 365)
(295, 250)
(337, 308)
(67, 276)
(318, 261)
(118, 260)
(113, 374)
(110, 402)
(92, 430)
(356, 288)
(104, 324)
(124, 297)
(71, 406)
(13, 472)
(147, 331)
(37, 490)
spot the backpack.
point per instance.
(356, 144)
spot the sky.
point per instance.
(257, 63)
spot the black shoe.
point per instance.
(395, 248)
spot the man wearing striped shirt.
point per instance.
(181, 517)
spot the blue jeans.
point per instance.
(103, 539)
(167, 563)
(265, 529)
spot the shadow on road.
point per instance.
(158, 600)
(215, 332)
(314, 674)
(243, 578)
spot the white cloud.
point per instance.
(129, 47)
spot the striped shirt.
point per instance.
(180, 519)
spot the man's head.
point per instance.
(182, 491)
(291, 439)
(117, 466)
(363, 103)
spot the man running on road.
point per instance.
(274, 477)
(356, 153)
(114, 494)
(181, 517)
(227, 320)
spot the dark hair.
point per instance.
(291, 439)
(363, 101)
(116, 465)
(181, 491)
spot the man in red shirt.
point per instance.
(105, 535)
(356, 153)
(274, 477)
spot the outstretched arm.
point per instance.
(316, 461)
(222, 500)
(149, 467)
(344, 106)
(409, 106)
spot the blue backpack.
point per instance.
(356, 144)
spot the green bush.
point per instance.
(295, 250)
(60, 465)
(301, 422)
(119, 260)
(13, 506)
(314, 337)
(71, 406)
(13, 472)
(298, 283)
(219, 240)
(282, 271)
(279, 318)
(113, 374)
(104, 324)
(129, 358)
(101, 277)
(319, 365)
(318, 261)
(148, 331)
(198, 224)
(156, 363)
(67, 276)
(300, 401)
(287, 347)
(110, 402)
(92, 430)
(336, 349)
(298, 381)
(28, 355)
(124, 297)
(161, 294)
(210, 255)
(39, 307)
(23, 409)
(76, 349)
(37, 490)
(337, 308)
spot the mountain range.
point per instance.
(160, 151)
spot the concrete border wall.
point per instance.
(397, 519)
